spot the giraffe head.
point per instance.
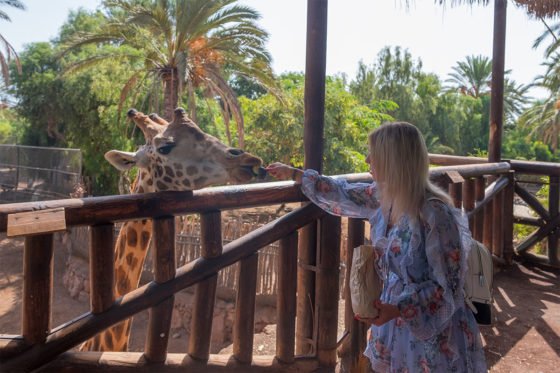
(179, 156)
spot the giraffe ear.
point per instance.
(121, 160)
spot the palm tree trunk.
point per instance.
(192, 101)
(170, 92)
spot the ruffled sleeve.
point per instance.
(338, 197)
(427, 306)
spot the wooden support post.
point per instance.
(101, 267)
(479, 187)
(328, 273)
(553, 207)
(497, 224)
(205, 293)
(37, 285)
(159, 324)
(487, 230)
(508, 219)
(469, 199)
(305, 336)
(358, 330)
(286, 298)
(456, 191)
(244, 325)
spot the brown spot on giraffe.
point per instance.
(172, 150)
(192, 170)
(132, 236)
(169, 171)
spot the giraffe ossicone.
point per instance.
(178, 156)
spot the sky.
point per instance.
(357, 31)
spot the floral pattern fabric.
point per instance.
(423, 264)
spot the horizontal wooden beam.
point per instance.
(98, 210)
(135, 362)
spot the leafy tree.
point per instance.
(543, 119)
(276, 128)
(7, 52)
(184, 45)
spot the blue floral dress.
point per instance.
(423, 265)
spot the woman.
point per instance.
(424, 324)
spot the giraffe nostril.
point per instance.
(236, 152)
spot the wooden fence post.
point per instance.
(101, 266)
(37, 285)
(159, 324)
(286, 299)
(479, 186)
(327, 293)
(205, 293)
(358, 330)
(244, 325)
(553, 201)
(508, 219)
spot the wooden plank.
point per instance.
(244, 326)
(454, 177)
(135, 362)
(36, 222)
(37, 285)
(286, 298)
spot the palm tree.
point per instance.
(8, 51)
(473, 77)
(543, 118)
(184, 45)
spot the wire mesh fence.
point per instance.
(31, 173)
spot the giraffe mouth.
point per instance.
(249, 172)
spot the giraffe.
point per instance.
(177, 156)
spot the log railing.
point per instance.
(490, 208)
(546, 221)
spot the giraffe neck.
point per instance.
(131, 248)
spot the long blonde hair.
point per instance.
(400, 158)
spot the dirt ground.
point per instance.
(524, 337)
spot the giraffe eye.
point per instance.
(166, 149)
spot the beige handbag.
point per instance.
(365, 283)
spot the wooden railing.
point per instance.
(485, 191)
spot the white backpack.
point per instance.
(478, 282)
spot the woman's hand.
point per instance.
(282, 171)
(387, 312)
